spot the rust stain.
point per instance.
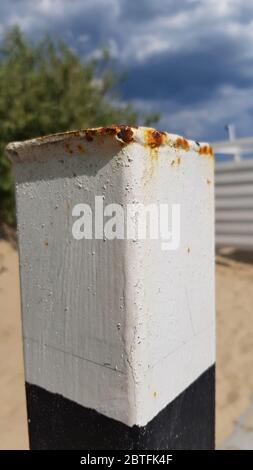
(176, 161)
(148, 172)
(66, 206)
(154, 138)
(208, 181)
(68, 148)
(80, 148)
(125, 134)
(89, 136)
(45, 242)
(206, 150)
(182, 143)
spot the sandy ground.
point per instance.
(234, 281)
(234, 306)
(13, 429)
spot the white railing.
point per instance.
(234, 194)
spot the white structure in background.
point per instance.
(234, 192)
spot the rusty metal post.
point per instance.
(116, 243)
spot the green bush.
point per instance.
(46, 88)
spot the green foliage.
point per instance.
(45, 88)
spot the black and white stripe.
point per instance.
(118, 334)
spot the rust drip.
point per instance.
(176, 161)
(80, 148)
(68, 148)
(153, 140)
(206, 150)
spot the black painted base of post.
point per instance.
(186, 423)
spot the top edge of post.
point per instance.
(121, 134)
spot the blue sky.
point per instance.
(191, 60)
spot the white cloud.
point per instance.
(171, 29)
(208, 119)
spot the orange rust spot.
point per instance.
(182, 143)
(154, 138)
(80, 148)
(206, 150)
(125, 134)
(124, 131)
(68, 148)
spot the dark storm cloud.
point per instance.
(188, 77)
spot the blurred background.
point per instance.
(184, 66)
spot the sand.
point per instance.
(234, 286)
(234, 306)
(13, 428)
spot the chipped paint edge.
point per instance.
(18, 152)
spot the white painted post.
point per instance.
(118, 333)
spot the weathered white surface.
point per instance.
(119, 326)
